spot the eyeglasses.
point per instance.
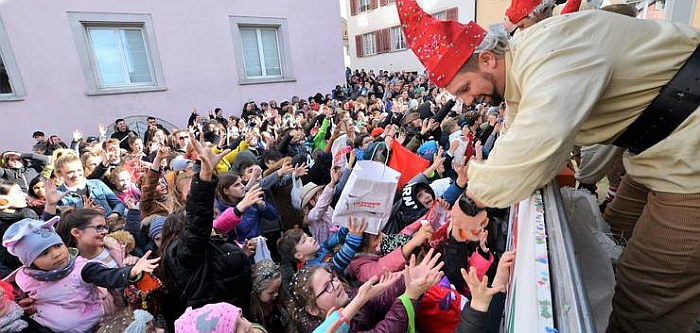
(98, 228)
(183, 137)
(329, 287)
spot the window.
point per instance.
(118, 52)
(398, 42)
(261, 49)
(441, 15)
(260, 52)
(11, 87)
(120, 56)
(365, 5)
(368, 44)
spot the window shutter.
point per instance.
(452, 14)
(386, 36)
(374, 4)
(353, 7)
(358, 45)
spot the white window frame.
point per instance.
(81, 21)
(364, 6)
(369, 43)
(283, 47)
(393, 38)
(261, 52)
(8, 59)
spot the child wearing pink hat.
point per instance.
(213, 318)
(62, 283)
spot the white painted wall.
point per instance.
(196, 49)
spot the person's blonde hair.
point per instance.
(65, 157)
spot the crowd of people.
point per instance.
(228, 223)
(157, 230)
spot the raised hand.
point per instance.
(462, 170)
(481, 293)
(301, 170)
(249, 246)
(144, 265)
(504, 266)
(418, 278)
(356, 228)
(88, 203)
(479, 151)
(401, 139)
(351, 159)
(336, 173)
(375, 286)
(102, 130)
(208, 157)
(53, 195)
(285, 169)
(254, 196)
(77, 135)
(423, 234)
(483, 237)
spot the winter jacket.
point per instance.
(151, 202)
(366, 265)
(476, 321)
(321, 216)
(24, 175)
(79, 290)
(385, 313)
(456, 254)
(205, 268)
(99, 193)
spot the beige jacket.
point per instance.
(583, 79)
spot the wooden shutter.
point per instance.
(374, 4)
(358, 45)
(452, 14)
(386, 36)
(353, 7)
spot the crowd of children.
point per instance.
(226, 224)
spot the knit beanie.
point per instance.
(156, 226)
(244, 158)
(179, 164)
(28, 238)
(211, 318)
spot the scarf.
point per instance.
(55, 274)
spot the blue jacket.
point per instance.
(100, 194)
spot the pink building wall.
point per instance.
(197, 54)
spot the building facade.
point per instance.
(376, 39)
(75, 64)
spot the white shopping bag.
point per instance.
(261, 250)
(297, 186)
(368, 194)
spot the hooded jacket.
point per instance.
(407, 209)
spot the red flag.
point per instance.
(571, 6)
(406, 162)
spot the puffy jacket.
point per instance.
(206, 269)
(25, 174)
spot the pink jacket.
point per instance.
(321, 216)
(365, 265)
(226, 221)
(68, 305)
